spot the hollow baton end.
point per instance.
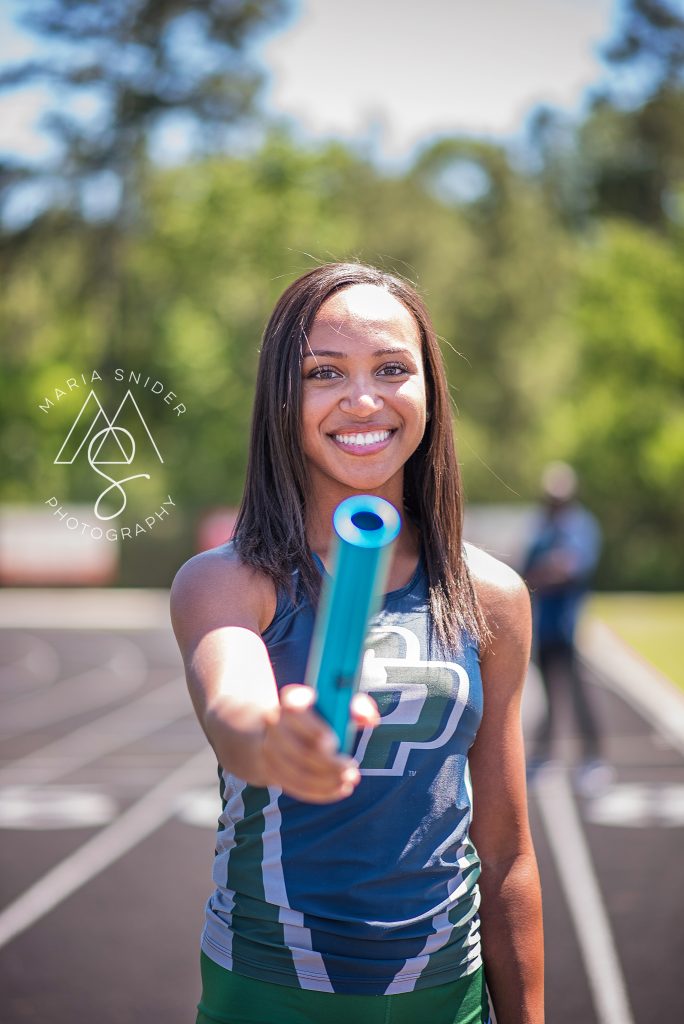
(366, 521)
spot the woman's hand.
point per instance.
(300, 751)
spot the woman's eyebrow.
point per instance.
(324, 352)
(329, 354)
(393, 351)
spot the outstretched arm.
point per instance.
(219, 608)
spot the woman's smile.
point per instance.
(363, 442)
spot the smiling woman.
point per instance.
(361, 884)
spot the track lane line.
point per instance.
(135, 824)
(109, 732)
(41, 661)
(580, 886)
(81, 693)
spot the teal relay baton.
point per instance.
(365, 528)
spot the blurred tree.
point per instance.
(122, 70)
(650, 43)
(634, 159)
(633, 140)
(212, 247)
(500, 299)
(622, 413)
(557, 344)
(626, 158)
(559, 165)
(215, 243)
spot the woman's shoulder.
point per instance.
(501, 592)
(217, 586)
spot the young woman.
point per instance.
(386, 885)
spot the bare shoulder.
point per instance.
(503, 595)
(216, 588)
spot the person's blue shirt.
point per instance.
(559, 566)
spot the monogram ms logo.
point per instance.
(107, 443)
(118, 447)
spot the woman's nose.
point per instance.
(361, 399)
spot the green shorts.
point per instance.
(230, 998)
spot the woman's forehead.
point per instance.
(365, 303)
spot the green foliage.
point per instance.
(554, 346)
(139, 65)
(628, 399)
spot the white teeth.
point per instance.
(362, 440)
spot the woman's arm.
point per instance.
(511, 917)
(219, 608)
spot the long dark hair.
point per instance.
(270, 532)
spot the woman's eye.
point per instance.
(323, 373)
(393, 369)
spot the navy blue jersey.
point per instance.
(378, 893)
(574, 533)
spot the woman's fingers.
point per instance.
(305, 788)
(300, 751)
(296, 709)
(287, 752)
(364, 710)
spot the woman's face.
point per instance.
(363, 395)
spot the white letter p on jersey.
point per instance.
(421, 702)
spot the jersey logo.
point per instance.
(421, 702)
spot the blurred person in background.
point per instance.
(559, 566)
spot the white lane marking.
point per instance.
(44, 808)
(199, 807)
(621, 670)
(37, 659)
(123, 672)
(630, 805)
(84, 609)
(142, 717)
(583, 897)
(135, 824)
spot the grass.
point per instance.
(653, 624)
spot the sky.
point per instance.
(388, 73)
(396, 72)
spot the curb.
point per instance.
(625, 672)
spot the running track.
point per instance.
(100, 912)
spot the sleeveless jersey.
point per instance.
(375, 894)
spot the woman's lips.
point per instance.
(363, 442)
